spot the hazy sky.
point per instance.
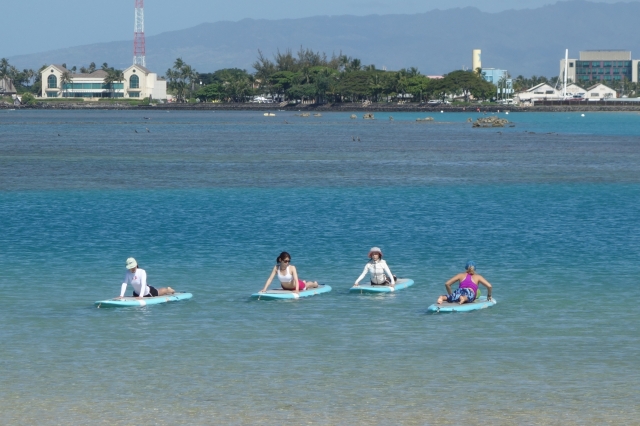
(31, 26)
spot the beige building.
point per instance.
(600, 91)
(601, 66)
(541, 92)
(6, 87)
(138, 83)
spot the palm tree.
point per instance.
(65, 80)
(113, 76)
(189, 74)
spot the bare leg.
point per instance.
(441, 299)
(463, 299)
(311, 284)
(165, 290)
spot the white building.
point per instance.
(138, 82)
(600, 91)
(541, 92)
(576, 91)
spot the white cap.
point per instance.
(131, 263)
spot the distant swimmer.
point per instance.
(137, 277)
(288, 275)
(359, 139)
(148, 131)
(147, 118)
(380, 273)
(58, 134)
(135, 130)
(353, 138)
(468, 289)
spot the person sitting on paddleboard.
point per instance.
(137, 277)
(288, 275)
(468, 289)
(380, 273)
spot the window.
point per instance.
(134, 94)
(538, 93)
(570, 64)
(134, 82)
(549, 92)
(52, 94)
(595, 64)
(595, 95)
(52, 82)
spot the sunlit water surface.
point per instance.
(549, 210)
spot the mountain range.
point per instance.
(527, 42)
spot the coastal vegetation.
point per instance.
(310, 76)
(305, 76)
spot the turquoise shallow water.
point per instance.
(206, 201)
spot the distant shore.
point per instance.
(342, 107)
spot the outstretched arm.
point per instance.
(452, 280)
(388, 272)
(143, 283)
(364, 272)
(123, 289)
(294, 272)
(486, 283)
(268, 283)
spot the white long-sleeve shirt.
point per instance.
(138, 281)
(377, 271)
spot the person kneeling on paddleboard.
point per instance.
(380, 273)
(288, 275)
(137, 277)
(468, 289)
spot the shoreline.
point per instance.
(343, 107)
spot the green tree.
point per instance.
(65, 81)
(28, 99)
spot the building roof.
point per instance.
(6, 86)
(599, 84)
(60, 68)
(140, 67)
(605, 55)
(95, 74)
(539, 86)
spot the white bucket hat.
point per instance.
(131, 263)
(375, 250)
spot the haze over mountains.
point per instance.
(525, 42)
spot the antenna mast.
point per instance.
(138, 36)
(566, 71)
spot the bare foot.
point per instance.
(463, 299)
(441, 299)
(170, 290)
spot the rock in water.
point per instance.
(491, 121)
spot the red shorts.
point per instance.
(301, 286)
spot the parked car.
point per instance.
(434, 102)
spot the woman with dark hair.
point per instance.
(288, 275)
(467, 291)
(380, 273)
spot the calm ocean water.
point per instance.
(549, 210)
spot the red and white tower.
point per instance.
(138, 36)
